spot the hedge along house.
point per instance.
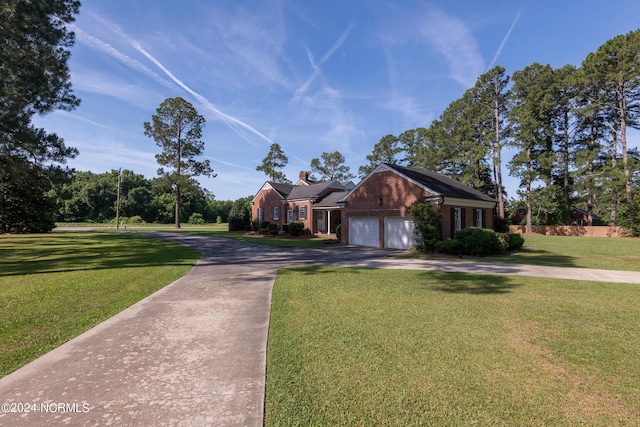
(375, 213)
(315, 204)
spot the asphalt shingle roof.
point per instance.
(441, 184)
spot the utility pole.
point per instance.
(118, 200)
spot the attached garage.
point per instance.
(364, 231)
(398, 232)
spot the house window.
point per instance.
(477, 220)
(260, 214)
(302, 212)
(457, 219)
(275, 213)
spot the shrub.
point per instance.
(219, 220)
(136, 219)
(255, 225)
(339, 231)
(196, 219)
(273, 229)
(515, 241)
(479, 241)
(285, 228)
(426, 220)
(296, 228)
(448, 246)
(501, 225)
(240, 214)
(264, 224)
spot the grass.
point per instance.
(215, 230)
(55, 286)
(587, 252)
(565, 251)
(381, 347)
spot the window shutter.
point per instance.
(453, 222)
(462, 218)
(484, 218)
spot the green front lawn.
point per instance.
(55, 286)
(587, 252)
(388, 347)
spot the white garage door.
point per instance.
(398, 232)
(364, 231)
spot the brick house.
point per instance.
(315, 204)
(374, 212)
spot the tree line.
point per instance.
(92, 197)
(567, 128)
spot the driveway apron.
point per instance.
(194, 353)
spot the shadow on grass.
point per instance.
(449, 282)
(473, 284)
(54, 253)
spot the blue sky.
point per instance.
(312, 76)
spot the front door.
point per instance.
(289, 216)
(322, 228)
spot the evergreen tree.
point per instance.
(491, 95)
(177, 128)
(274, 161)
(385, 151)
(531, 117)
(34, 78)
(331, 166)
(615, 69)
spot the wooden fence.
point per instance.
(571, 230)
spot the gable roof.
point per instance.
(313, 191)
(307, 191)
(437, 184)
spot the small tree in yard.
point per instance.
(177, 129)
(426, 220)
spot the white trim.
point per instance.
(468, 203)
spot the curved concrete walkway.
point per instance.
(194, 353)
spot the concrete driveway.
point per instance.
(194, 353)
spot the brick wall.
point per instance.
(394, 193)
(267, 199)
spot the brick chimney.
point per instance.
(304, 175)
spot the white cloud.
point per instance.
(451, 37)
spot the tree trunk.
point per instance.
(497, 162)
(177, 215)
(625, 157)
(566, 160)
(528, 198)
(614, 166)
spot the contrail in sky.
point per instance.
(229, 120)
(505, 39)
(316, 67)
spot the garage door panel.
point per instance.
(398, 233)
(364, 231)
